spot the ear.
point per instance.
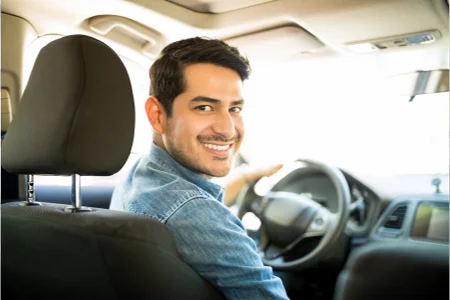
(155, 114)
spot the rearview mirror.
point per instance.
(430, 82)
(419, 83)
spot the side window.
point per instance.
(6, 110)
(10, 182)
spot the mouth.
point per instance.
(217, 149)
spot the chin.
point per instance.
(221, 174)
(218, 172)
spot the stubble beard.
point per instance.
(192, 160)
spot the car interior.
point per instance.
(351, 96)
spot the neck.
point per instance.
(157, 139)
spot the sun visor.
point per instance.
(277, 43)
(217, 6)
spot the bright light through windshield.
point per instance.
(328, 110)
(339, 115)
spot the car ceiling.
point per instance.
(332, 23)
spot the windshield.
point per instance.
(333, 111)
(330, 109)
(338, 114)
(340, 119)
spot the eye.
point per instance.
(236, 109)
(204, 108)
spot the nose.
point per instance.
(224, 125)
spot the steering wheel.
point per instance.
(289, 219)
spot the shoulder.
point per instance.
(157, 193)
(206, 221)
(205, 208)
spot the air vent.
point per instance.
(395, 220)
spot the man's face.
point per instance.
(205, 129)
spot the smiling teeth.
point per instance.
(217, 147)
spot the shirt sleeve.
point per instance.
(215, 244)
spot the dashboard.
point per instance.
(388, 238)
(419, 219)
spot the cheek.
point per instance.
(200, 126)
(189, 128)
(239, 126)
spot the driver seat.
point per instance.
(76, 117)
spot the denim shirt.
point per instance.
(208, 236)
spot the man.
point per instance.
(195, 112)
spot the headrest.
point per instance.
(76, 115)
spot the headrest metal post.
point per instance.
(76, 191)
(30, 201)
(76, 196)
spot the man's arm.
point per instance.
(215, 244)
(235, 184)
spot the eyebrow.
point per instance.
(215, 101)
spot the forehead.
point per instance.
(212, 81)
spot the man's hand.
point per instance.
(252, 175)
(247, 176)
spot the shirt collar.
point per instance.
(169, 164)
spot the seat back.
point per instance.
(50, 254)
(77, 117)
(400, 270)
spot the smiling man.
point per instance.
(195, 112)
(204, 129)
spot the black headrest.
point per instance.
(76, 115)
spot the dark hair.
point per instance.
(167, 72)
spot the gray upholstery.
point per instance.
(76, 115)
(50, 254)
(400, 270)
